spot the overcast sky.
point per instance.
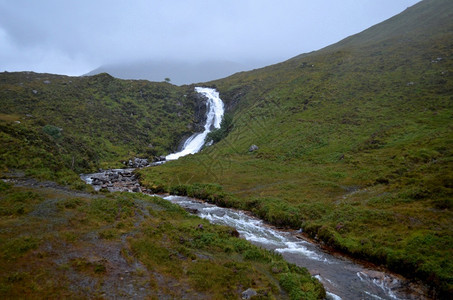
(75, 36)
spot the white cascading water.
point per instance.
(214, 116)
(343, 279)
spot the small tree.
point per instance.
(167, 79)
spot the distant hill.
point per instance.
(178, 72)
(354, 145)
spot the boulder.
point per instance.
(138, 162)
(253, 148)
(159, 158)
(114, 176)
(248, 293)
(234, 232)
(191, 210)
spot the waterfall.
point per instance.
(214, 115)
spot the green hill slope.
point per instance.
(56, 243)
(355, 145)
(57, 126)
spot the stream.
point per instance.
(341, 277)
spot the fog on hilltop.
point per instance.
(179, 72)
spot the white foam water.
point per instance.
(332, 296)
(298, 248)
(214, 115)
(342, 278)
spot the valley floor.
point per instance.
(56, 242)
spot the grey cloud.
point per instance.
(69, 36)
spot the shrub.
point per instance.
(218, 134)
(53, 131)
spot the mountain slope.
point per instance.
(51, 123)
(355, 145)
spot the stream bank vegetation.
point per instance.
(355, 146)
(226, 125)
(69, 244)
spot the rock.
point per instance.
(253, 148)
(234, 233)
(46, 81)
(35, 92)
(138, 162)
(159, 158)
(249, 293)
(113, 176)
(200, 111)
(191, 210)
(437, 60)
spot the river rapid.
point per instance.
(342, 278)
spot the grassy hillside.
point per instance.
(355, 145)
(53, 124)
(55, 243)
